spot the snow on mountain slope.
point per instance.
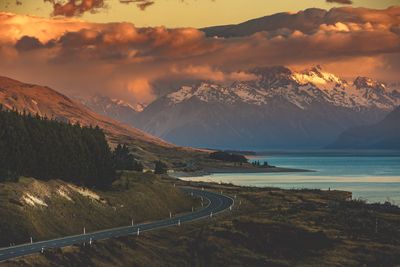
(299, 88)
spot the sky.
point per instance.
(186, 13)
(100, 46)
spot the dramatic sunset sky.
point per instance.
(100, 46)
(184, 13)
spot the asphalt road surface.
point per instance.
(216, 204)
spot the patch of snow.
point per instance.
(140, 107)
(306, 78)
(122, 103)
(186, 92)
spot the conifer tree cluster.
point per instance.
(124, 160)
(230, 157)
(48, 149)
(160, 167)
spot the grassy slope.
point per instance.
(139, 196)
(271, 227)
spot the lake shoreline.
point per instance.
(233, 170)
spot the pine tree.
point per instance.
(160, 167)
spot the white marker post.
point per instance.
(42, 250)
(138, 231)
(31, 240)
(84, 232)
(230, 208)
(90, 241)
(191, 193)
(132, 222)
(179, 222)
(211, 215)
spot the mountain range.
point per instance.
(281, 108)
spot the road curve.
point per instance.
(217, 203)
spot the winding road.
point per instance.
(216, 204)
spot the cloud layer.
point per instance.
(137, 64)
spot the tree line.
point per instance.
(48, 149)
(226, 156)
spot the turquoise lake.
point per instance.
(370, 175)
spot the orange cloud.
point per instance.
(141, 89)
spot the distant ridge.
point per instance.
(382, 135)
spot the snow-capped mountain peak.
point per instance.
(318, 77)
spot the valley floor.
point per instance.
(268, 227)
